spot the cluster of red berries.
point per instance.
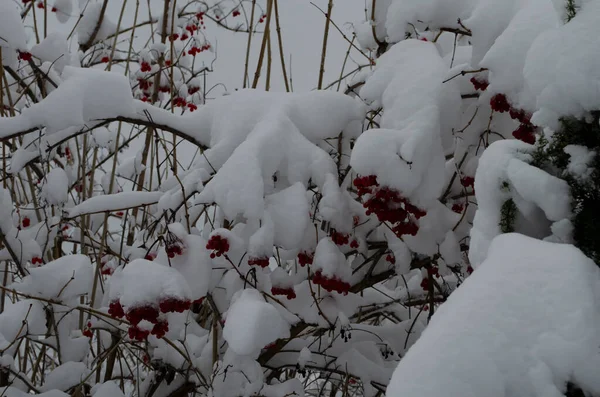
(36, 260)
(526, 131)
(425, 283)
(192, 27)
(87, 331)
(287, 292)
(331, 283)
(389, 206)
(467, 181)
(145, 67)
(105, 59)
(144, 84)
(354, 244)
(179, 102)
(236, 13)
(432, 271)
(261, 262)
(150, 256)
(173, 37)
(172, 305)
(193, 90)
(262, 18)
(197, 50)
(25, 56)
(480, 85)
(304, 258)
(499, 103)
(340, 238)
(149, 313)
(174, 248)
(218, 244)
(25, 222)
(192, 107)
(458, 208)
(391, 259)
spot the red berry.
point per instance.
(25, 56)
(137, 334)
(105, 59)
(467, 181)
(480, 85)
(235, 13)
(262, 262)
(499, 103)
(458, 208)
(26, 222)
(53, 9)
(184, 37)
(305, 258)
(115, 309)
(469, 269)
(218, 244)
(391, 258)
(192, 107)
(40, 5)
(354, 244)
(425, 284)
(173, 37)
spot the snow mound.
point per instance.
(145, 282)
(63, 278)
(525, 323)
(65, 376)
(252, 324)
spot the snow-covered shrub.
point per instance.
(302, 244)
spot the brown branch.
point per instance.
(90, 41)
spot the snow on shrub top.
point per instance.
(512, 328)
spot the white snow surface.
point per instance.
(112, 202)
(64, 278)
(252, 324)
(525, 322)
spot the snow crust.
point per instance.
(524, 323)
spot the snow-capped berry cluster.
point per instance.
(305, 258)
(218, 244)
(331, 283)
(150, 313)
(261, 262)
(174, 305)
(287, 292)
(174, 245)
(480, 85)
(526, 131)
(339, 238)
(389, 206)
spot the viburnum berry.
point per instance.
(287, 292)
(525, 133)
(145, 67)
(193, 90)
(115, 309)
(340, 238)
(364, 185)
(184, 37)
(139, 313)
(144, 84)
(520, 115)
(200, 15)
(160, 329)
(433, 271)
(25, 56)
(192, 107)
(54, 9)
(179, 102)
(410, 228)
(261, 262)
(391, 259)
(467, 181)
(469, 269)
(425, 284)
(173, 37)
(87, 331)
(331, 283)
(168, 62)
(36, 260)
(304, 258)
(458, 208)
(105, 59)
(236, 13)
(150, 256)
(218, 244)
(138, 334)
(40, 5)
(480, 85)
(171, 305)
(499, 103)
(354, 244)
(26, 221)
